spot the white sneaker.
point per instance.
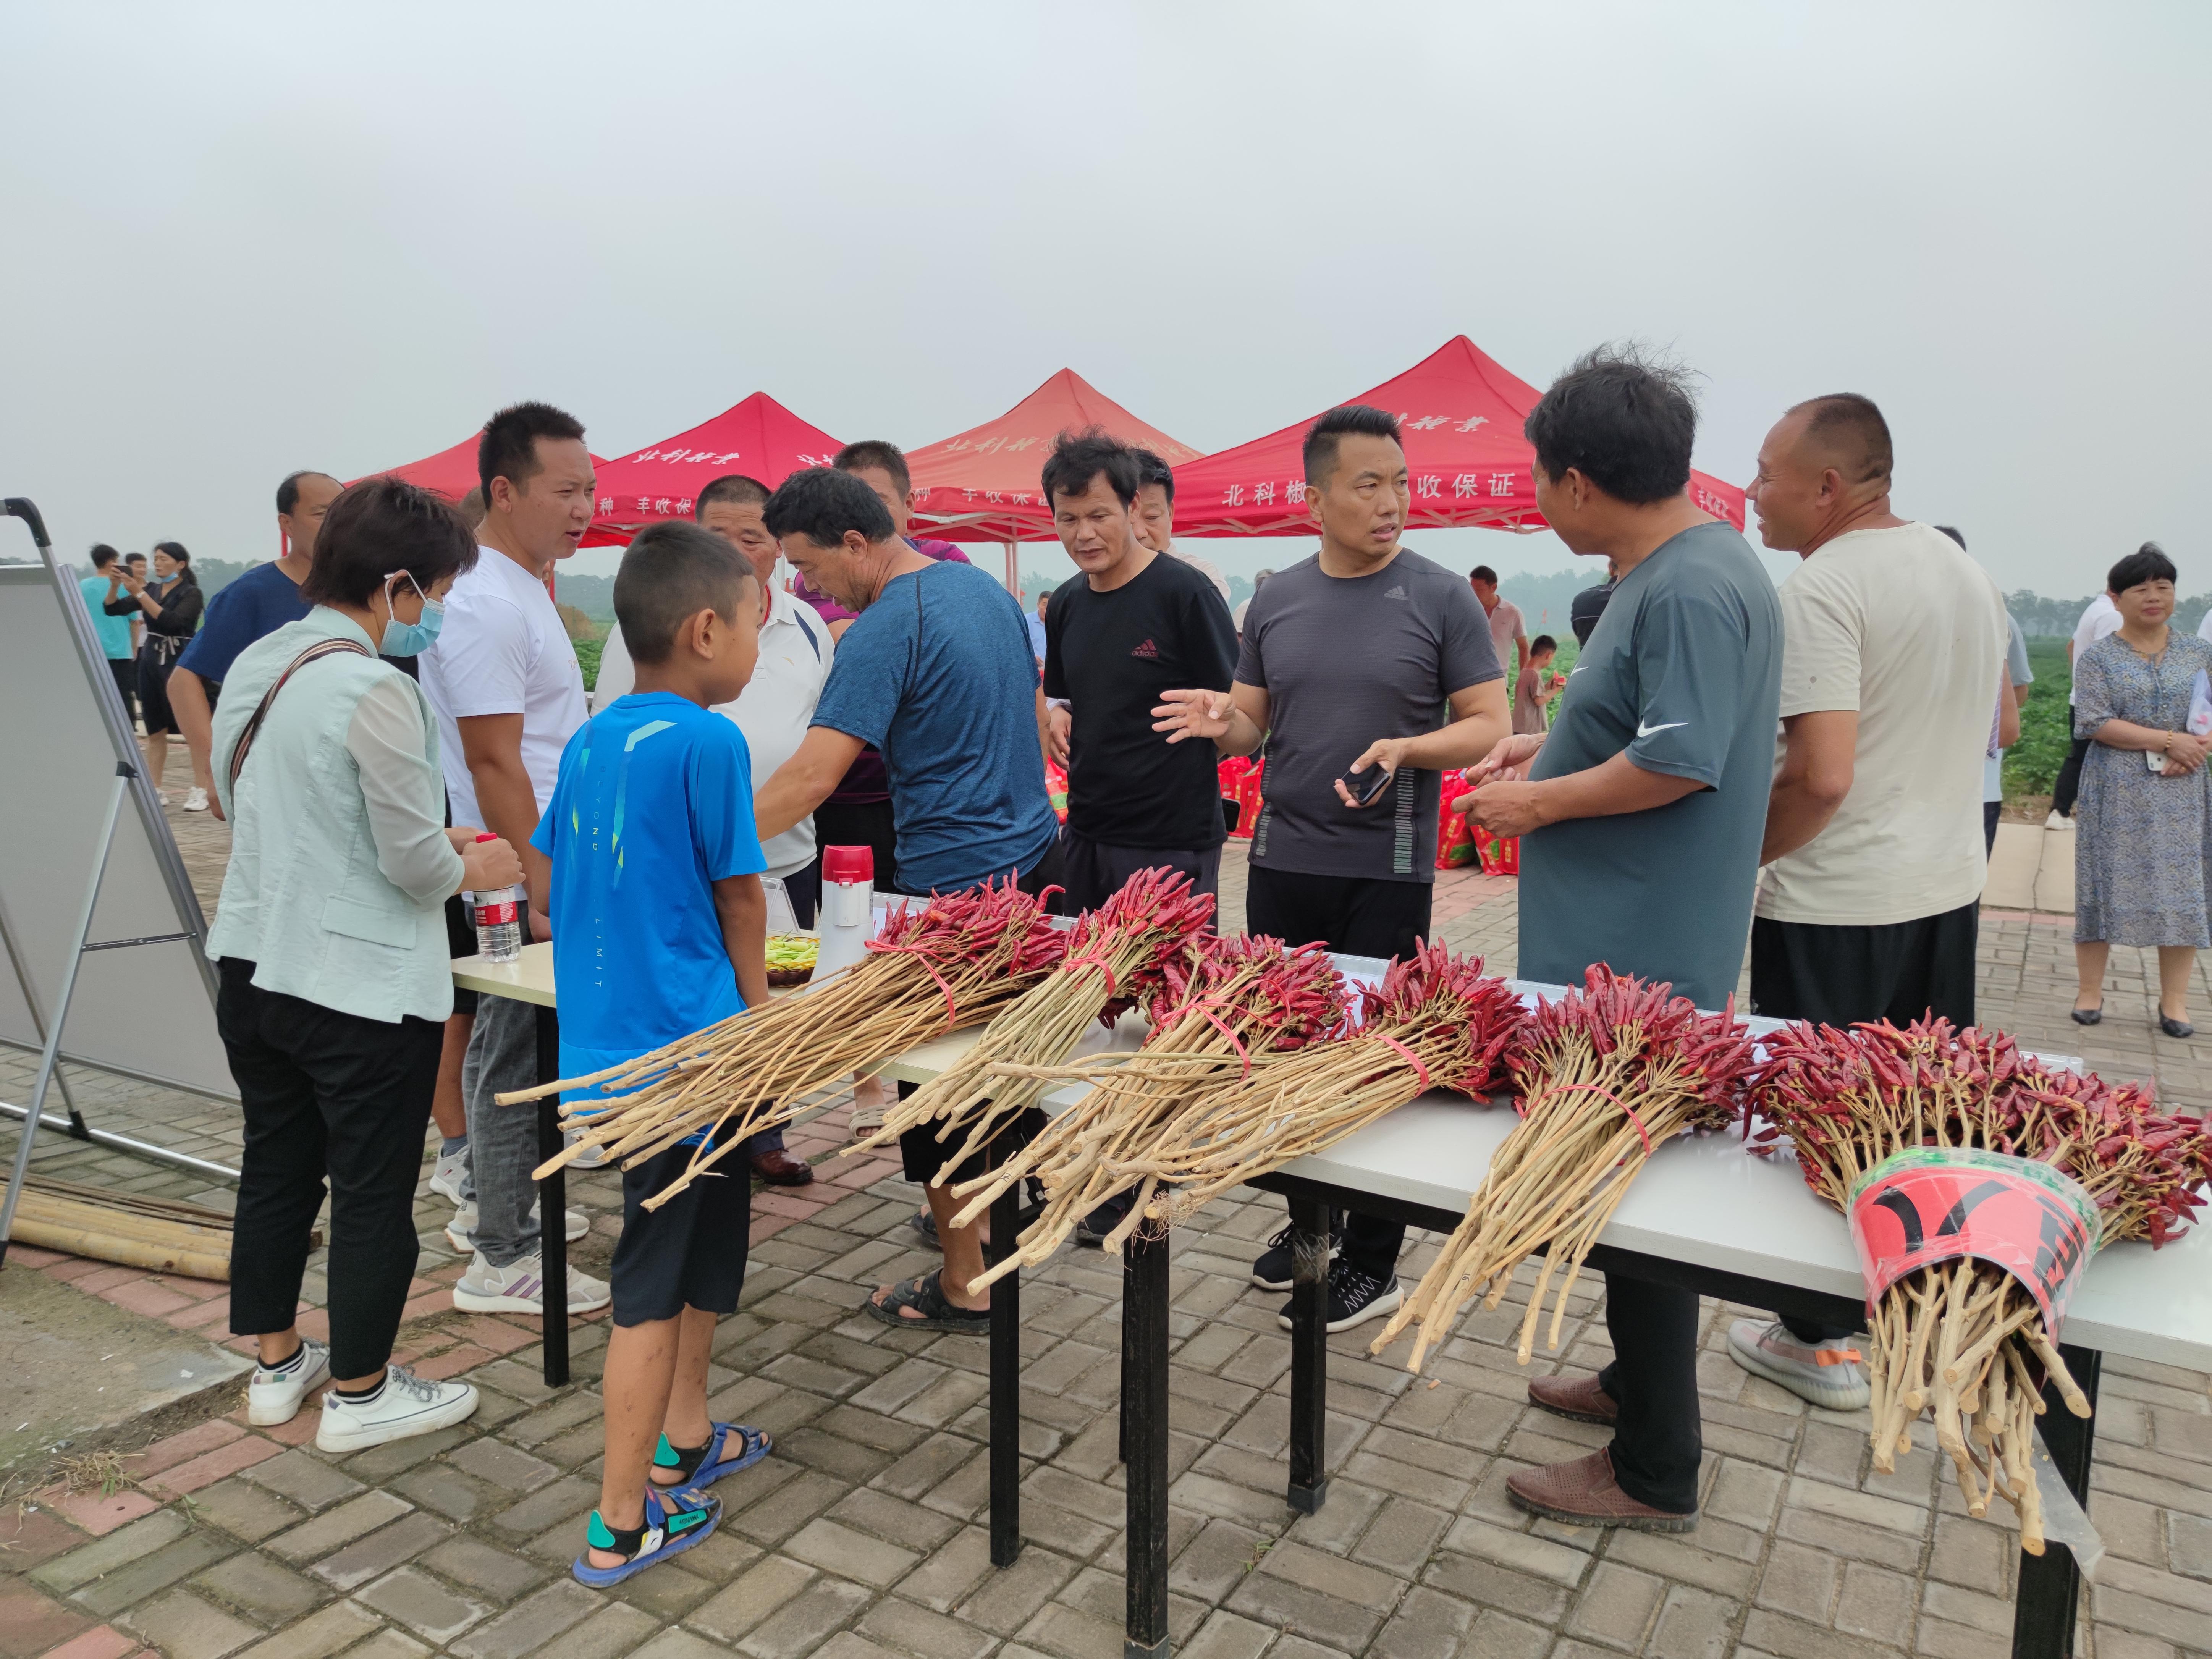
(519, 1287)
(274, 1397)
(1828, 1377)
(461, 1230)
(449, 1177)
(406, 1405)
(592, 1157)
(163, 796)
(195, 801)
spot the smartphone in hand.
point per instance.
(1364, 787)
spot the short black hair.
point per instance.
(1483, 572)
(822, 504)
(134, 558)
(288, 493)
(1152, 469)
(383, 524)
(1622, 419)
(1953, 535)
(671, 571)
(1077, 458)
(1542, 643)
(1323, 436)
(731, 487)
(103, 556)
(1853, 425)
(874, 451)
(2148, 563)
(509, 448)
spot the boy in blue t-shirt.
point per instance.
(660, 927)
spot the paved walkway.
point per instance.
(862, 1537)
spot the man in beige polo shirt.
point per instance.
(1894, 651)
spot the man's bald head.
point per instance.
(1847, 431)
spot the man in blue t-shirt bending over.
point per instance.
(937, 672)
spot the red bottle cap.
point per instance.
(849, 864)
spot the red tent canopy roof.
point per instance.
(1462, 413)
(758, 437)
(450, 472)
(981, 485)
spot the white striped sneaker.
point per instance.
(519, 1287)
(406, 1405)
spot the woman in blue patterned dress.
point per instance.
(2143, 848)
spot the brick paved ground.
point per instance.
(862, 1535)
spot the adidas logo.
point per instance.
(1393, 592)
(1147, 649)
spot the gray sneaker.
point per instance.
(461, 1230)
(520, 1287)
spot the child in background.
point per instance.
(1539, 686)
(660, 927)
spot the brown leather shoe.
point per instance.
(779, 1169)
(1583, 1493)
(1577, 1397)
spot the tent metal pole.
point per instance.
(1013, 569)
(123, 773)
(124, 1143)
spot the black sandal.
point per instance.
(925, 1296)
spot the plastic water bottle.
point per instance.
(498, 916)
(848, 921)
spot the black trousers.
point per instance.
(857, 823)
(1358, 916)
(1991, 810)
(336, 1096)
(125, 672)
(1092, 871)
(2068, 785)
(1658, 1441)
(1899, 971)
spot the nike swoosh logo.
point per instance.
(1575, 670)
(1646, 730)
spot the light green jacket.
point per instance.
(309, 897)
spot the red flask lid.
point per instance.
(849, 864)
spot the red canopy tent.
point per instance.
(1461, 415)
(450, 472)
(758, 437)
(981, 485)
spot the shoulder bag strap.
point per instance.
(313, 652)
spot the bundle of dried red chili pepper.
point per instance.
(1605, 1073)
(1436, 1021)
(1224, 1006)
(1961, 1337)
(952, 962)
(1114, 952)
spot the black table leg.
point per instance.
(552, 1208)
(1309, 1220)
(1005, 1379)
(2049, 1584)
(1145, 1444)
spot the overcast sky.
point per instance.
(240, 239)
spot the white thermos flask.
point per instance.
(847, 919)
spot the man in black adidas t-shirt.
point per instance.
(1130, 626)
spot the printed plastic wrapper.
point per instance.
(2200, 705)
(1933, 1204)
(1456, 836)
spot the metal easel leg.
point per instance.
(1005, 1395)
(552, 1209)
(48, 1055)
(76, 1128)
(1145, 1442)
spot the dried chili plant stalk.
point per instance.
(1964, 1339)
(1114, 953)
(1225, 1006)
(934, 968)
(1605, 1073)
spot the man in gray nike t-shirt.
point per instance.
(1641, 816)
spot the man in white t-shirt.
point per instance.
(1509, 629)
(503, 681)
(1892, 663)
(773, 712)
(1154, 515)
(2100, 617)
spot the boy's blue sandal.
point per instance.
(674, 1522)
(731, 1447)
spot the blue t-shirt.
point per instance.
(250, 608)
(115, 632)
(937, 673)
(652, 805)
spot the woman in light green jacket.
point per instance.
(331, 940)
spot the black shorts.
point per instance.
(924, 1154)
(690, 1252)
(1898, 970)
(1092, 871)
